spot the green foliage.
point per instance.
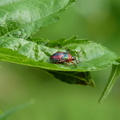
(19, 20)
(22, 19)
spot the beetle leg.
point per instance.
(77, 61)
(73, 63)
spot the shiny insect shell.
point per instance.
(61, 57)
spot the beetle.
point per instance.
(62, 57)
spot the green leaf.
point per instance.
(23, 18)
(113, 76)
(6, 114)
(91, 56)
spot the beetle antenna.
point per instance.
(77, 54)
(73, 63)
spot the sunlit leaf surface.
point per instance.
(91, 56)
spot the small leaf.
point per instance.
(113, 76)
(82, 78)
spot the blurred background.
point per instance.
(98, 20)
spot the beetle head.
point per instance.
(73, 58)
